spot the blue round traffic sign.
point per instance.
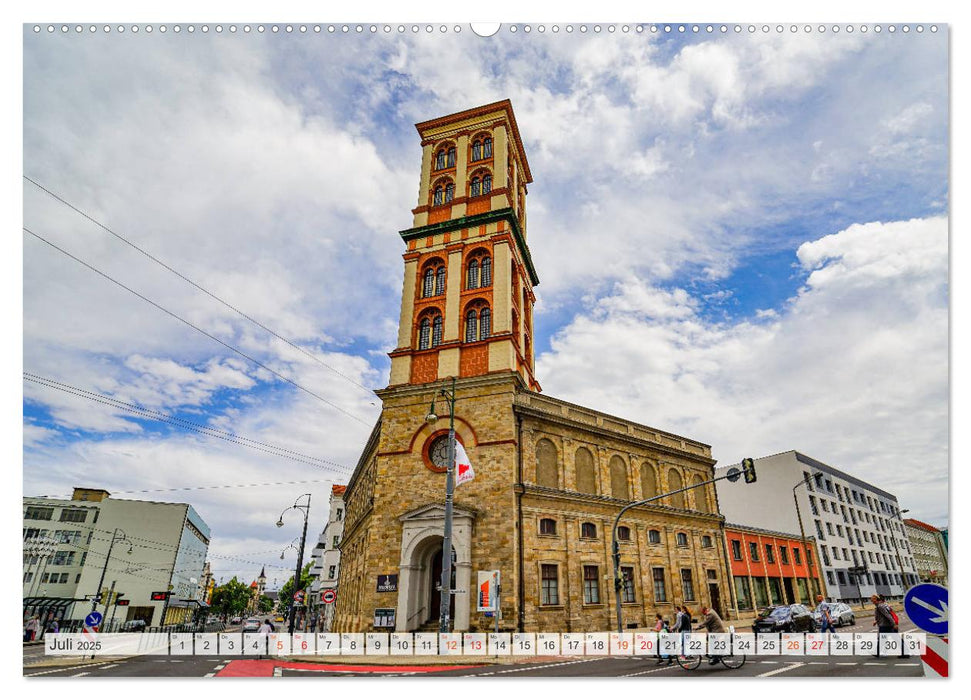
(93, 619)
(926, 606)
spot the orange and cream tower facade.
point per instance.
(466, 305)
(550, 476)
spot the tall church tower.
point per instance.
(467, 300)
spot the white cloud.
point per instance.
(853, 372)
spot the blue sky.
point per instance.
(717, 221)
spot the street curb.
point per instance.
(59, 661)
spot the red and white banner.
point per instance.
(463, 467)
(934, 657)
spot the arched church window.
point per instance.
(470, 326)
(424, 334)
(450, 157)
(472, 276)
(440, 160)
(476, 150)
(449, 192)
(588, 530)
(439, 195)
(487, 148)
(547, 471)
(428, 282)
(486, 184)
(586, 474)
(618, 479)
(648, 481)
(674, 483)
(475, 189)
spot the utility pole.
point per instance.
(117, 536)
(805, 545)
(444, 610)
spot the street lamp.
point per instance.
(733, 474)
(117, 536)
(809, 558)
(900, 562)
(303, 543)
(446, 582)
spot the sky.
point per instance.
(740, 237)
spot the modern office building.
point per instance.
(858, 528)
(930, 551)
(771, 568)
(105, 545)
(327, 559)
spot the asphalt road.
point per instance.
(563, 667)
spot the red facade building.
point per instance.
(771, 568)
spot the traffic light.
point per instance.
(748, 469)
(160, 595)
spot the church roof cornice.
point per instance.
(506, 214)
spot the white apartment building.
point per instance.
(930, 553)
(858, 527)
(135, 548)
(327, 558)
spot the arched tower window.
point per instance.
(547, 471)
(486, 184)
(487, 147)
(618, 479)
(472, 276)
(440, 160)
(674, 483)
(450, 157)
(475, 187)
(428, 282)
(443, 192)
(437, 331)
(471, 325)
(439, 196)
(486, 266)
(476, 150)
(440, 280)
(449, 192)
(648, 481)
(424, 334)
(485, 323)
(586, 474)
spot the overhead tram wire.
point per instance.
(201, 488)
(195, 327)
(196, 284)
(149, 414)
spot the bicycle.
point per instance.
(693, 661)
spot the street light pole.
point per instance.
(732, 475)
(814, 589)
(444, 612)
(303, 544)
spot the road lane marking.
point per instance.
(61, 670)
(78, 675)
(846, 663)
(653, 670)
(780, 670)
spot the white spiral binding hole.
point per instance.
(486, 30)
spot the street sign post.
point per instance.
(926, 606)
(93, 620)
(328, 596)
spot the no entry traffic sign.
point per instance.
(328, 596)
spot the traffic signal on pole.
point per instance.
(748, 469)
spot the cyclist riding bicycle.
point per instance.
(711, 623)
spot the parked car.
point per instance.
(133, 626)
(252, 624)
(279, 618)
(841, 613)
(236, 620)
(784, 618)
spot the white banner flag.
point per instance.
(463, 467)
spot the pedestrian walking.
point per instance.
(712, 623)
(661, 627)
(885, 620)
(825, 619)
(33, 629)
(313, 623)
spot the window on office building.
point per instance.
(737, 550)
(550, 590)
(769, 554)
(591, 585)
(657, 576)
(753, 550)
(783, 554)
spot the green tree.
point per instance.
(266, 603)
(231, 598)
(286, 592)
